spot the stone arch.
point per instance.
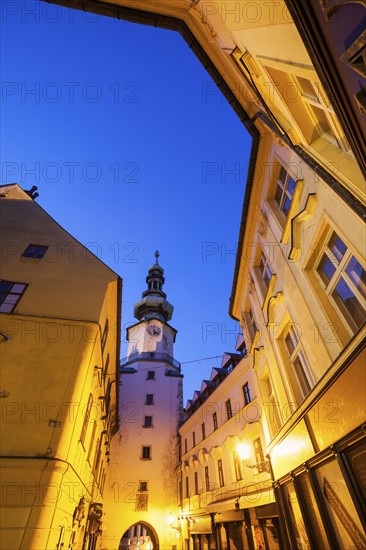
(151, 533)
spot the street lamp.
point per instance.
(243, 450)
(178, 527)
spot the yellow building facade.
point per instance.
(59, 347)
(286, 424)
(295, 74)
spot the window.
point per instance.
(104, 335)
(259, 456)
(193, 439)
(187, 487)
(203, 427)
(10, 294)
(229, 412)
(196, 483)
(148, 421)
(237, 466)
(221, 473)
(35, 251)
(207, 479)
(142, 486)
(149, 400)
(265, 270)
(246, 392)
(101, 478)
(299, 372)
(185, 445)
(252, 321)
(344, 280)
(321, 111)
(86, 419)
(214, 420)
(285, 188)
(107, 398)
(98, 456)
(146, 453)
(150, 375)
(91, 444)
(272, 407)
(310, 107)
(250, 328)
(180, 492)
(106, 366)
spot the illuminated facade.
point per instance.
(299, 296)
(141, 494)
(59, 345)
(295, 74)
(225, 502)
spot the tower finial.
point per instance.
(153, 304)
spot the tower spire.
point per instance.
(153, 304)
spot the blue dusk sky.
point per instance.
(132, 148)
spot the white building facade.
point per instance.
(142, 490)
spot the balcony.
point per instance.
(150, 356)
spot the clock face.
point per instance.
(153, 330)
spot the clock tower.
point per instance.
(152, 333)
(141, 490)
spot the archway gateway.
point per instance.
(140, 536)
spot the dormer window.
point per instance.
(35, 251)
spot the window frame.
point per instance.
(274, 414)
(207, 478)
(149, 399)
(260, 275)
(251, 331)
(214, 421)
(339, 266)
(91, 443)
(141, 488)
(10, 293)
(220, 470)
(84, 428)
(144, 451)
(266, 271)
(228, 408)
(196, 487)
(187, 486)
(39, 250)
(106, 367)
(148, 425)
(259, 455)
(246, 394)
(104, 337)
(299, 373)
(237, 466)
(282, 189)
